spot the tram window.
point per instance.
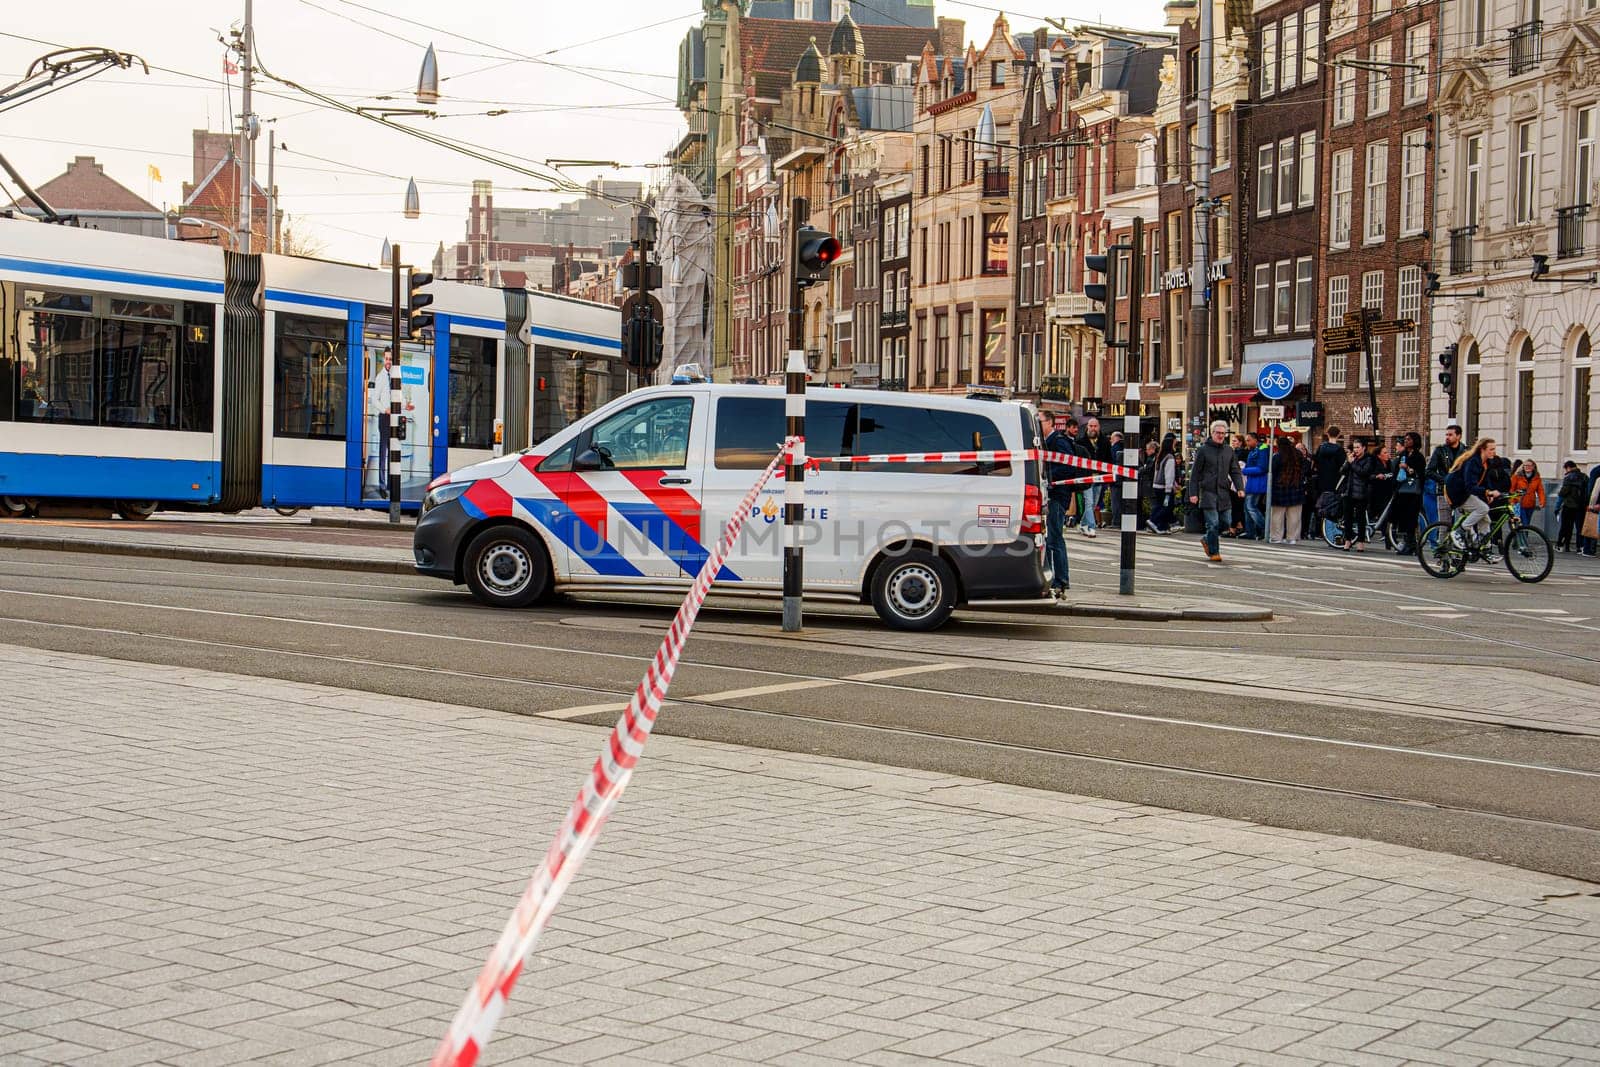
(137, 365)
(653, 435)
(10, 353)
(124, 308)
(50, 300)
(196, 369)
(473, 363)
(56, 368)
(309, 379)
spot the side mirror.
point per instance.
(589, 460)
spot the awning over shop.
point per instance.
(1232, 396)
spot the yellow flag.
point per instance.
(155, 172)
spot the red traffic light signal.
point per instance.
(815, 253)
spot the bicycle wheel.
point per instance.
(1528, 554)
(1333, 533)
(1438, 553)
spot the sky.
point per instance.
(584, 80)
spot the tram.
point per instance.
(143, 373)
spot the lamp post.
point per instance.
(413, 209)
(233, 237)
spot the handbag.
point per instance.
(1591, 525)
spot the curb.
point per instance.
(196, 554)
(406, 524)
(1135, 613)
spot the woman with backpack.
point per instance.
(1471, 489)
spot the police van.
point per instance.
(631, 497)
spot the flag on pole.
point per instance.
(228, 66)
(154, 172)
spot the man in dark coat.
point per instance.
(1062, 439)
(1444, 457)
(1215, 483)
(1327, 462)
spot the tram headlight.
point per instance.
(443, 495)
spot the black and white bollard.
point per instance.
(794, 491)
(396, 433)
(1130, 489)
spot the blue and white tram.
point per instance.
(143, 372)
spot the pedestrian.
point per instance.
(1381, 495)
(1288, 492)
(1060, 501)
(1591, 520)
(1572, 497)
(1308, 475)
(1440, 464)
(1114, 490)
(1215, 483)
(1409, 467)
(1091, 446)
(1257, 460)
(1358, 473)
(1527, 490)
(1147, 478)
(1165, 486)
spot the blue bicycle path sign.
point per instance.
(1275, 381)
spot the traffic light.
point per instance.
(418, 320)
(814, 253)
(641, 344)
(1104, 293)
(1432, 286)
(1447, 368)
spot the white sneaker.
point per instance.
(1087, 532)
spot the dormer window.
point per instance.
(802, 10)
(997, 72)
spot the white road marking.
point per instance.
(1540, 611)
(581, 711)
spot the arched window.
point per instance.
(1524, 397)
(1471, 386)
(1582, 392)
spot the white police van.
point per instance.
(630, 497)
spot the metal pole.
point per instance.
(396, 395)
(272, 192)
(794, 405)
(1131, 409)
(247, 144)
(1199, 314)
(1272, 454)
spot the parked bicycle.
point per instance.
(1445, 549)
(1333, 524)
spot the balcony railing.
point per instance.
(893, 384)
(996, 182)
(1569, 230)
(890, 319)
(1525, 46)
(1461, 249)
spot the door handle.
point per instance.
(675, 481)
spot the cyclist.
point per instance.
(1471, 487)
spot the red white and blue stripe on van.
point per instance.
(573, 512)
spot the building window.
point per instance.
(1261, 305)
(1417, 49)
(1337, 374)
(1308, 170)
(1376, 208)
(1224, 309)
(1380, 8)
(802, 12)
(1372, 297)
(1264, 184)
(941, 349)
(924, 167)
(1291, 50)
(1283, 296)
(1472, 180)
(1025, 277)
(996, 245)
(997, 74)
(1286, 183)
(1269, 59)
(1312, 35)
(1027, 190)
(1344, 90)
(1379, 77)
(1480, 21)
(1524, 396)
(1408, 355)
(1339, 206)
(1582, 392)
(1413, 174)
(964, 347)
(1222, 149)
(1583, 155)
(1305, 298)
(994, 346)
(1041, 273)
(1527, 172)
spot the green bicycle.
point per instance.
(1444, 549)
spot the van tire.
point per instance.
(914, 590)
(506, 567)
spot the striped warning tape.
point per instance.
(474, 1023)
(1093, 479)
(984, 457)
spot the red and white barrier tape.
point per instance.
(984, 457)
(1093, 479)
(474, 1023)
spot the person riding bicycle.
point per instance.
(1472, 487)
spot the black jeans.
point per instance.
(1571, 523)
(1355, 520)
(1403, 517)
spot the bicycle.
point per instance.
(1333, 529)
(1526, 551)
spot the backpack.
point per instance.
(1455, 487)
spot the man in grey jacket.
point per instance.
(1215, 481)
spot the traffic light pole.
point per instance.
(1131, 409)
(396, 393)
(794, 406)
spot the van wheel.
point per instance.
(136, 510)
(914, 591)
(506, 567)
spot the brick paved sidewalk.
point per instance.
(210, 869)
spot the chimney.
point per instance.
(952, 36)
(1180, 11)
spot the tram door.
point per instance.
(416, 421)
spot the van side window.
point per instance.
(750, 429)
(653, 435)
(561, 459)
(892, 428)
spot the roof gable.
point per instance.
(84, 186)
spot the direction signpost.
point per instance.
(1275, 381)
(1355, 336)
